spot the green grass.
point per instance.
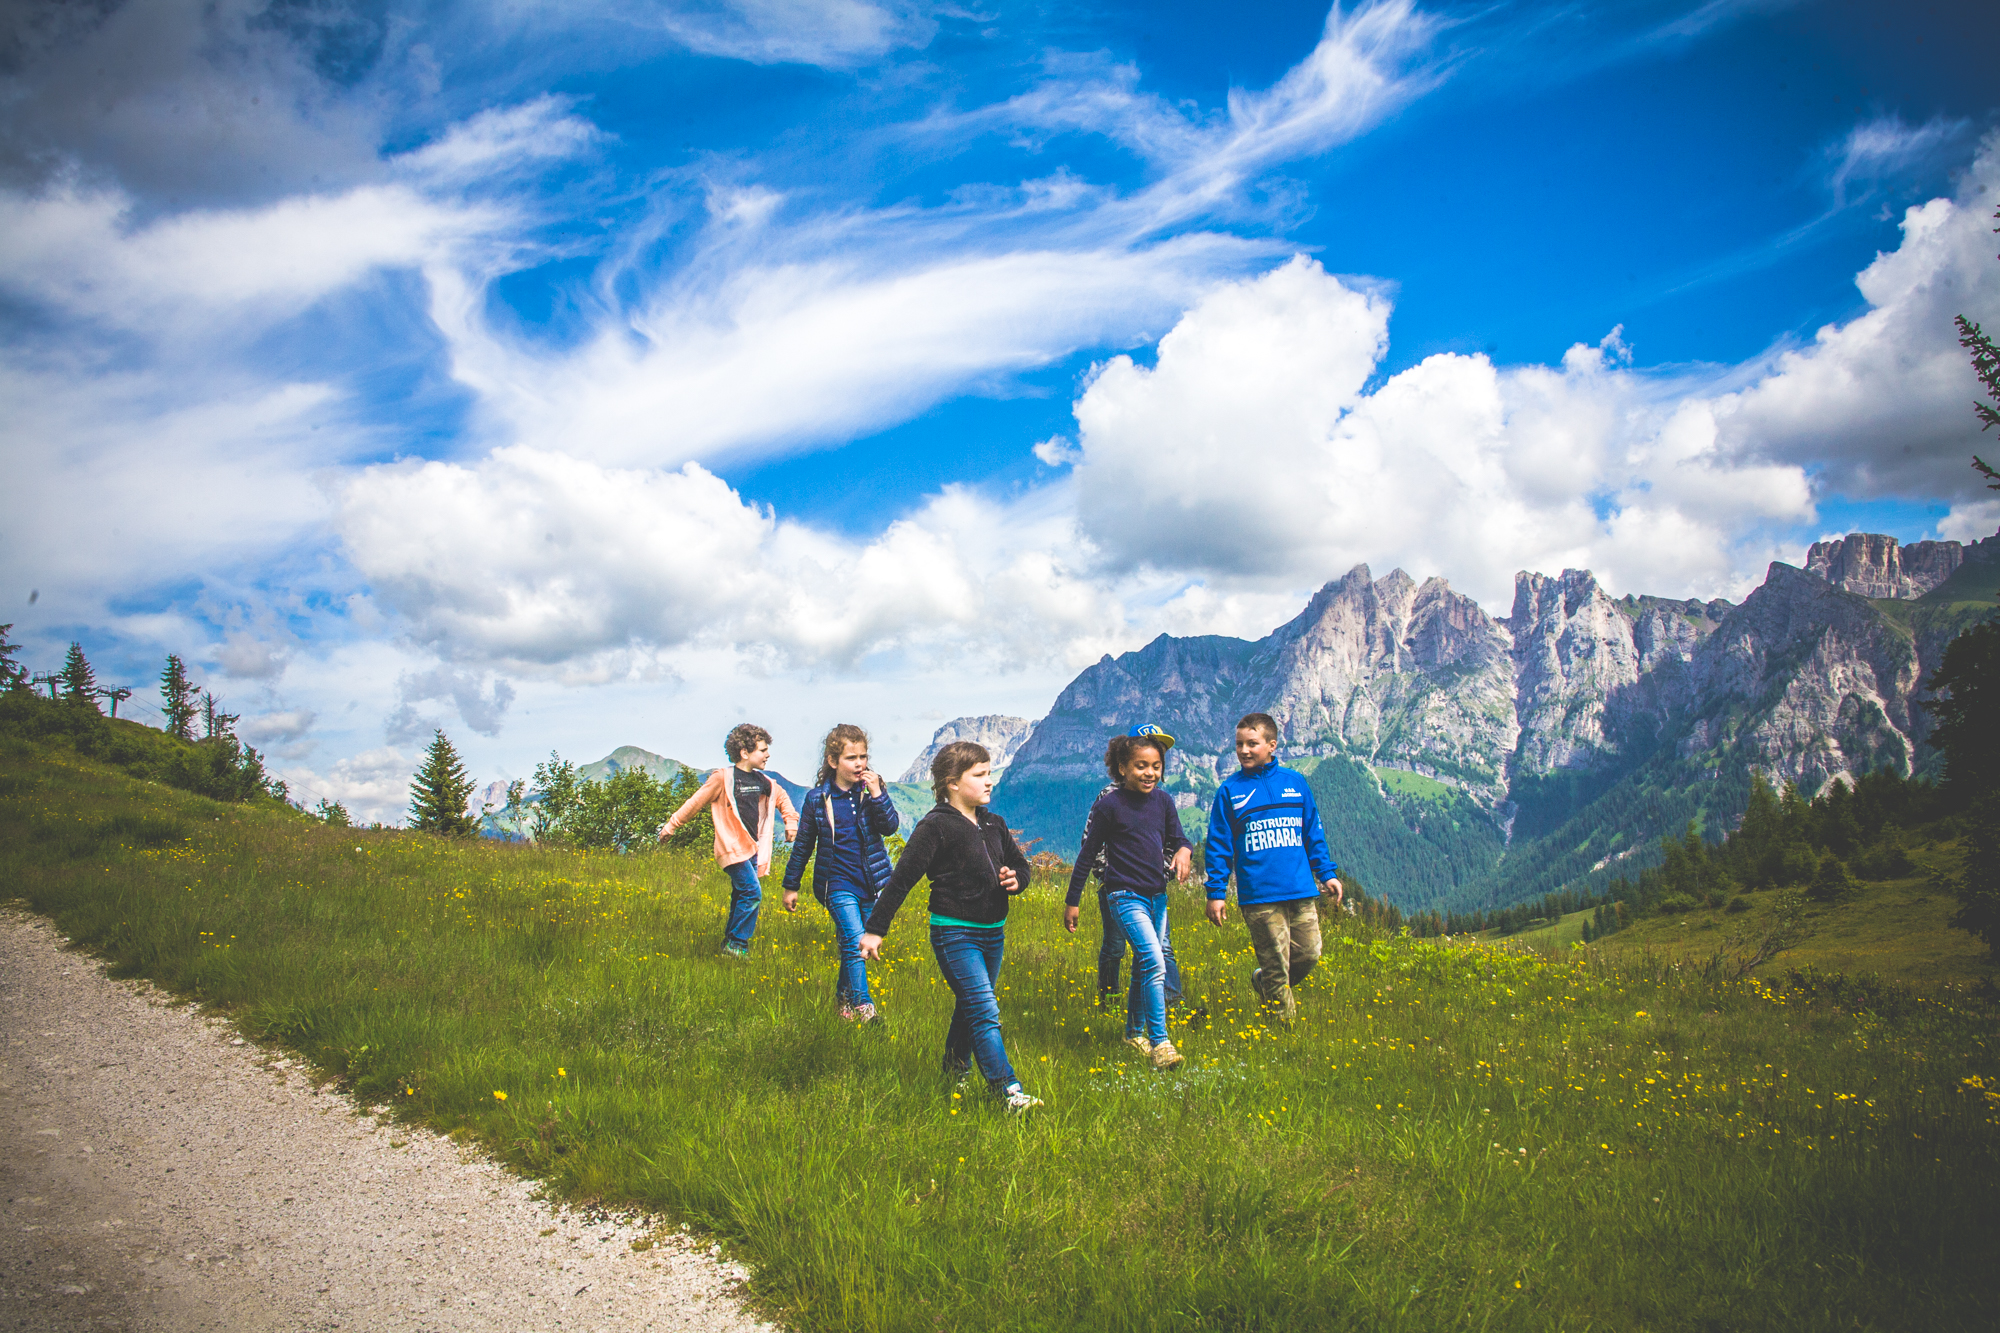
(1893, 930)
(1402, 782)
(1452, 1137)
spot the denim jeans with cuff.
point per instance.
(1111, 952)
(969, 957)
(1143, 918)
(745, 896)
(849, 907)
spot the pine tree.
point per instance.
(216, 724)
(177, 698)
(12, 674)
(439, 791)
(79, 682)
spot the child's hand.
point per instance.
(1218, 911)
(1333, 890)
(665, 829)
(1184, 864)
(871, 948)
(874, 783)
(1070, 915)
(1008, 879)
(791, 900)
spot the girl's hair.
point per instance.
(951, 763)
(843, 735)
(1121, 749)
(743, 737)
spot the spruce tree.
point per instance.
(79, 682)
(177, 698)
(12, 674)
(439, 791)
(216, 724)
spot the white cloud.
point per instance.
(480, 704)
(833, 33)
(1887, 146)
(1252, 452)
(1882, 405)
(1366, 66)
(541, 560)
(374, 785)
(283, 734)
(800, 352)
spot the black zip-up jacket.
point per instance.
(963, 862)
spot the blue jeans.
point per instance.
(970, 957)
(745, 896)
(1111, 952)
(1143, 918)
(849, 908)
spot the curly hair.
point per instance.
(743, 737)
(1119, 753)
(843, 735)
(951, 765)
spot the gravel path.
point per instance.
(161, 1174)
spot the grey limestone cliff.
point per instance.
(1000, 734)
(1409, 695)
(1871, 564)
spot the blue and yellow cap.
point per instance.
(1152, 733)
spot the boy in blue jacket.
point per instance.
(1265, 827)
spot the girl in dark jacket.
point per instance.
(842, 822)
(974, 866)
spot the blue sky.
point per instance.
(606, 373)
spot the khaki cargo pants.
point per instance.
(1286, 938)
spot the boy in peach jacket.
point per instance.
(742, 799)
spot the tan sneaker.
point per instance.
(1166, 1057)
(1140, 1044)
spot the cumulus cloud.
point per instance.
(374, 785)
(1881, 405)
(245, 657)
(539, 559)
(282, 734)
(1252, 451)
(216, 100)
(480, 703)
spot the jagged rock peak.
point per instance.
(1872, 564)
(1000, 734)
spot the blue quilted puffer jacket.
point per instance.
(876, 820)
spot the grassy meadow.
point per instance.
(1453, 1136)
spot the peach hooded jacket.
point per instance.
(733, 842)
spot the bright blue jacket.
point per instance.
(1265, 827)
(874, 819)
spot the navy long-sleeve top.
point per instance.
(1137, 834)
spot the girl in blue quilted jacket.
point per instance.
(842, 822)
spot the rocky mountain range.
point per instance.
(1469, 760)
(1000, 734)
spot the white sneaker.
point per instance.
(1017, 1099)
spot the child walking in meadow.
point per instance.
(1265, 828)
(1136, 828)
(845, 817)
(742, 800)
(974, 866)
